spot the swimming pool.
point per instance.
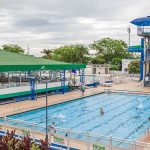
(125, 115)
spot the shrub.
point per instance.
(116, 64)
(134, 67)
(114, 67)
(8, 142)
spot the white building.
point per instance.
(96, 69)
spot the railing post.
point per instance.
(110, 143)
(33, 131)
(134, 145)
(68, 140)
(88, 141)
(148, 130)
(5, 125)
(50, 137)
(19, 130)
(20, 133)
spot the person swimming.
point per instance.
(101, 111)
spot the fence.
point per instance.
(69, 138)
(143, 30)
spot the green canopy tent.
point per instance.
(19, 62)
(14, 62)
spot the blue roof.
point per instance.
(145, 21)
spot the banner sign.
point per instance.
(98, 147)
(58, 140)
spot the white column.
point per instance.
(25, 75)
(49, 75)
(40, 75)
(8, 80)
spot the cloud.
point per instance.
(52, 23)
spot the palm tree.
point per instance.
(47, 53)
(81, 52)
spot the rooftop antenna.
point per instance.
(28, 50)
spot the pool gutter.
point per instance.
(64, 101)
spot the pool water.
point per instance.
(125, 115)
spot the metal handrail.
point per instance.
(127, 91)
(77, 132)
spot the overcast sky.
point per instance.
(52, 23)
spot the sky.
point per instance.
(48, 24)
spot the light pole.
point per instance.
(46, 138)
(46, 112)
(32, 82)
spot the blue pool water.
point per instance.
(123, 117)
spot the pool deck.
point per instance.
(13, 108)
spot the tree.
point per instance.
(64, 53)
(13, 48)
(110, 48)
(47, 53)
(134, 67)
(116, 64)
(98, 60)
(81, 51)
(77, 53)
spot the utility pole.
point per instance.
(129, 32)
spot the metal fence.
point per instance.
(69, 138)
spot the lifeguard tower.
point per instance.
(143, 30)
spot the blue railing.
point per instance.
(143, 30)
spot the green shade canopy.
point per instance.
(136, 48)
(20, 62)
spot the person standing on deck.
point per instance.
(82, 88)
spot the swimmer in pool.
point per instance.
(101, 111)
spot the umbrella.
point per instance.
(145, 21)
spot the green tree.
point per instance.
(81, 52)
(134, 67)
(116, 64)
(110, 48)
(64, 53)
(98, 60)
(13, 48)
(77, 53)
(47, 53)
